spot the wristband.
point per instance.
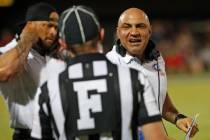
(179, 116)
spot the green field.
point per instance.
(190, 94)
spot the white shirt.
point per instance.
(149, 69)
(19, 92)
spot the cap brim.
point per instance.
(20, 26)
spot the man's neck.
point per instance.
(140, 57)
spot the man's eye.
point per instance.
(50, 25)
(141, 26)
(44, 24)
(125, 27)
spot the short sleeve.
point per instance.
(148, 109)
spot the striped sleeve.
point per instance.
(148, 109)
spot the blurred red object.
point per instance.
(175, 61)
(6, 37)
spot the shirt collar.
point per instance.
(128, 59)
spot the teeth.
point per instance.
(134, 40)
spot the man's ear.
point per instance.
(102, 32)
(117, 33)
(62, 45)
(150, 30)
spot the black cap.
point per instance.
(78, 25)
(38, 12)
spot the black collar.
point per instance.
(87, 58)
(150, 53)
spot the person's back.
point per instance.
(99, 99)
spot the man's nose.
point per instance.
(134, 31)
(53, 31)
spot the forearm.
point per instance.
(182, 122)
(8, 71)
(154, 131)
(169, 110)
(12, 61)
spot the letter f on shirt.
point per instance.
(92, 103)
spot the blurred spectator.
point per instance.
(205, 55)
(186, 45)
(5, 37)
(179, 43)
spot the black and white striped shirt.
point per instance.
(94, 99)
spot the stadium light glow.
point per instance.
(6, 3)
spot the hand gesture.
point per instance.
(184, 123)
(30, 33)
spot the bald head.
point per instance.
(134, 31)
(133, 14)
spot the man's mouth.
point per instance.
(135, 41)
(50, 40)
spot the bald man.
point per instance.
(134, 48)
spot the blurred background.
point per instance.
(181, 30)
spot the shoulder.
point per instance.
(112, 54)
(53, 67)
(160, 59)
(115, 57)
(155, 64)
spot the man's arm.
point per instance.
(169, 111)
(154, 131)
(171, 114)
(13, 60)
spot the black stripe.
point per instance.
(94, 137)
(45, 123)
(136, 89)
(114, 80)
(142, 110)
(63, 80)
(87, 69)
(53, 120)
(47, 120)
(87, 58)
(158, 71)
(150, 119)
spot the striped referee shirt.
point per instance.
(94, 99)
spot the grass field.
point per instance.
(190, 94)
